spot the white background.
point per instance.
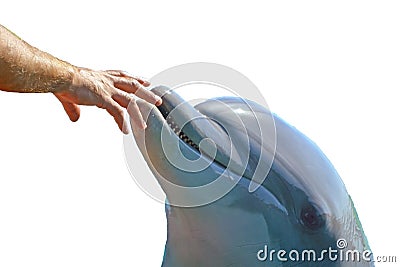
(331, 70)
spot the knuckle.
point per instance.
(135, 83)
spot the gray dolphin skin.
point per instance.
(300, 214)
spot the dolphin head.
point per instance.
(241, 185)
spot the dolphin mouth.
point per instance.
(178, 131)
(165, 109)
(200, 133)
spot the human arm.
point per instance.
(26, 69)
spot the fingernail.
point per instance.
(125, 130)
(158, 100)
(144, 125)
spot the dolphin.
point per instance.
(298, 214)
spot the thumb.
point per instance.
(73, 111)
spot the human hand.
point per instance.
(109, 90)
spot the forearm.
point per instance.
(24, 68)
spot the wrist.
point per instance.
(72, 80)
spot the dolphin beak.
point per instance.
(197, 131)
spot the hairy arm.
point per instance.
(26, 69)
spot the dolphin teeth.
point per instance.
(176, 129)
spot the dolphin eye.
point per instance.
(311, 218)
